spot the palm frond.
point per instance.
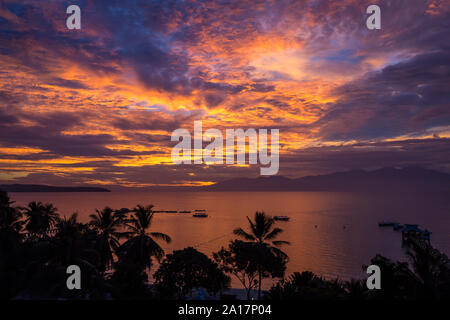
(162, 236)
(280, 242)
(272, 234)
(279, 252)
(240, 232)
(252, 227)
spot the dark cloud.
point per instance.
(155, 120)
(261, 87)
(71, 84)
(46, 133)
(404, 98)
(6, 118)
(428, 153)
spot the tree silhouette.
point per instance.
(141, 245)
(306, 286)
(431, 269)
(263, 234)
(107, 224)
(10, 217)
(40, 217)
(240, 261)
(11, 251)
(184, 270)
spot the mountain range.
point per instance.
(409, 178)
(384, 179)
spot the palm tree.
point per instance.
(356, 289)
(107, 223)
(73, 243)
(141, 245)
(10, 217)
(11, 250)
(431, 268)
(262, 233)
(40, 217)
(11, 223)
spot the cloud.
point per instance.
(403, 98)
(429, 153)
(98, 105)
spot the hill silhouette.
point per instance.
(409, 178)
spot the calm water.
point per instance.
(346, 237)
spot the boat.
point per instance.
(425, 234)
(398, 226)
(408, 230)
(281, 218)
(200, 210)
(386, 224)
(412, 230)
(200, 215)
(184, 211)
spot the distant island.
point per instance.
(45, 188)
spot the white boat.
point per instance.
(200, 215)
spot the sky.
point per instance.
(97, 106)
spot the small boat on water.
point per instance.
(398, 226)
(408, 230)
(200, 210)
(386, 224)
(281, 218)
(414, 230)
(200, 215)
(184, 211)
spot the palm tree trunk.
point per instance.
(259, 283)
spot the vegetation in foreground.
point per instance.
(116, 251)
